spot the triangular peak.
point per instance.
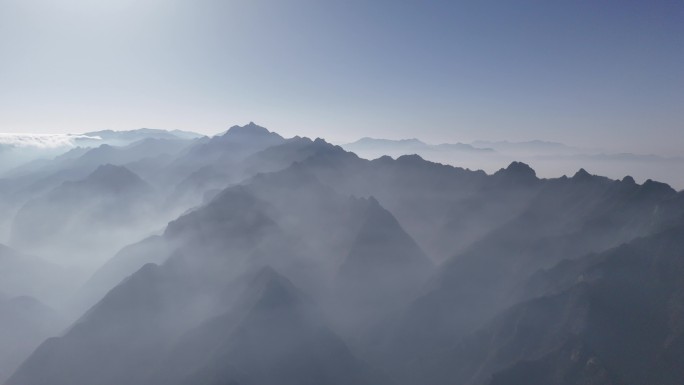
(270, 289)
(249, 130)
(518, 169)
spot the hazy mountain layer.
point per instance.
(249, 258)
(24, 324)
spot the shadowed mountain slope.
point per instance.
(274, 334)
(567, 219)
(609, 318)
(24, 324)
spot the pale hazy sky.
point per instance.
(590, 73)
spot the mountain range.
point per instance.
(250, 258)
(550, 159)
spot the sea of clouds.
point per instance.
(42, 141)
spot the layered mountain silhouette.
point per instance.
(106, 188)
(369, 146)
(220, 161)
(384, 265)
(274, 334)
(111, 199)
(234, 145)
(271, 312)
(531, 146)
(249, 258)
(567, 219)
(124, 263)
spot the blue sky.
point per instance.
(589, 73)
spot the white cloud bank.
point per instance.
(42, 141)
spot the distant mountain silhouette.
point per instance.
(536, 147)
(110, 198)
(149, 157)
(112, 179)
(404, 146)
(146, 149)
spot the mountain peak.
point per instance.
(322, 144)
(380, 227)
(521, 169)
(234, 216)
(385, 159)
(581, 174)
(413, 158)
(114, 177)
(379, 218)
(249, 130)
(518, 171)
(375, 205)
(110, 170)
(654, 187)
(270, 289)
